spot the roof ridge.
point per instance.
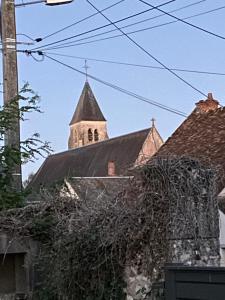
(101, 142)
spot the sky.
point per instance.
(176, 45)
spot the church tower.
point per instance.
(88, 124)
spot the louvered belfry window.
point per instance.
(90, 135)
(96, 135)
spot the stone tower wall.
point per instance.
(80, 133)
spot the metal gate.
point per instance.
(194, 283)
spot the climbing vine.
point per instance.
(87, 246)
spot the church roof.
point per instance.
(92, 160)
(87, 108)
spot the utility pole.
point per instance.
(10, 73)
(10, 80)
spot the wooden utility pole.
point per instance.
(10, 79)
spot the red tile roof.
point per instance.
(201, 136)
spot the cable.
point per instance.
(80, 21)
(129, 25)
(70, 44)
(30, 38)
(129, 93)
(73, 24)
(187, 23)
(101, 27)
(36, 59)
(148, 53)
(131, 32)
(135, 65)
(27, 36)
(143, 99)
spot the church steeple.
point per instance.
(87, 108)
(88, 124)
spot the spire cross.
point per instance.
(86, 67)
(153, 122)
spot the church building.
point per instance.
(88, 124)
(91, 153)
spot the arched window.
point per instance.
(90, 135)
(96, 134)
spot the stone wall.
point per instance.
(7, 297)
(17, 259)
(191, 226)
(196, 253)
(151, 145)
(79, 133)
(183, 252)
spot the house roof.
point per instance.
(87, 108)
(201, 136)
(91, 160)
(102, 188)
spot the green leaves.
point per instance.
(27, 101)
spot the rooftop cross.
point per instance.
(86, 67)
(153, 122)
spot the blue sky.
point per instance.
(177, 46)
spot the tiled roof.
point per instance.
(87, 108)
(92, 160)
(201, 136)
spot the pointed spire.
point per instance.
(87, 108)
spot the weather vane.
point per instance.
(86, 67)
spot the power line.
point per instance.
(27, 36)
(147, 52)
(70, 44)
(135, 65)
(181, 20)
(80, 21)
(71, 25)
(129, 93)
(132, 24)
(124, 91)
(101, 27)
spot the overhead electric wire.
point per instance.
(124, 91)
(71, 44)
(132, 24)
(71, 25)
(147, 52)
(27, 36)
(81, 20)
(181, 20)
(135, 65)
(101, 27)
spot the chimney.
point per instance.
(208, 104)
(111, 168)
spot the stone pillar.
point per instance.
(181, 195)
